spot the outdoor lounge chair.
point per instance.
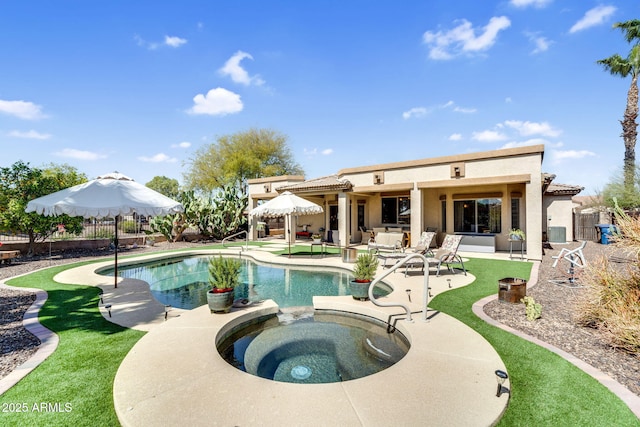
(423, 248)
(448, 254)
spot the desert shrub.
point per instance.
(129, 226)
(611, 303)
(533, 309)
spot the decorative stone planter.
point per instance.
(359, 290)
(220, 302)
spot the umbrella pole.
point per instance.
(115, 274)
(289, 233)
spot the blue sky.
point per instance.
(138, 87)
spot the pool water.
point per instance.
(183, 282)
(324, 348)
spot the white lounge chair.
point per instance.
(448, 254)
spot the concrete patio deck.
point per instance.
(175, 376)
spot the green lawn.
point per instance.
(78, 377)
(546, 389)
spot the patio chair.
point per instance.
(423, 248)
(448, 254)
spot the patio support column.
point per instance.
(533, 209)
(417, 220)
(343, 219)
(252, 203)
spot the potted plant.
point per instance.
(224, 276)
(317, 238)
(516, 234)
(364, 271)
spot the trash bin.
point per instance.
(512, 289)
(605, 232)
(349, 255)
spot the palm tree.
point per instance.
(624, 67)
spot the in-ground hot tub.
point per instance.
(324, 347)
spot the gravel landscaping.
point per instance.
(556, 325)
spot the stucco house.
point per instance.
(481, 195)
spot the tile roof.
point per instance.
(563, 189)
(330, 182)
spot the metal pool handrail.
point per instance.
(237, 234)
(425, 288)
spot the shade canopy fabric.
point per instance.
(284, 204)
(106, 196)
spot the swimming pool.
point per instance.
(182, 282)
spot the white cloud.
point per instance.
(463, 38)
(464, 110)
(541, 43)
(32, 134)
(455, 137)
(558, 156)
(22, 109)
(72, 153)
(415, 112)
(174, 41)
(508, 100)
(327, 151)
(593, 17)
(526, 3)
(183, 144)
(217, 102)
(158, 158)
(528, 128)
(532, 141)
(488, 136)
(170, 41)
(238, 74)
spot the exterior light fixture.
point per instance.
(108, 307)
(166, 311)
(501, 377)
(409, 294)
(449, 283)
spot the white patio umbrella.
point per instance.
(108, 195)
(286, 204)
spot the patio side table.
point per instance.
(322, 247)
(511, 242)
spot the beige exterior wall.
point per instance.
(507, 174)
(558, 212)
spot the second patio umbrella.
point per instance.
(286, 204)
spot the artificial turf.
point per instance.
(74, 386)
(546, 390)
(75, 383)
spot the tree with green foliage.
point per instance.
(164, 185)
(628, 197)
(234, 159)
(20, 184)
(623, 67)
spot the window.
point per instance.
(515, 213)
(443, 207)
(478, 216)
(396, 210)
(360, 215)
